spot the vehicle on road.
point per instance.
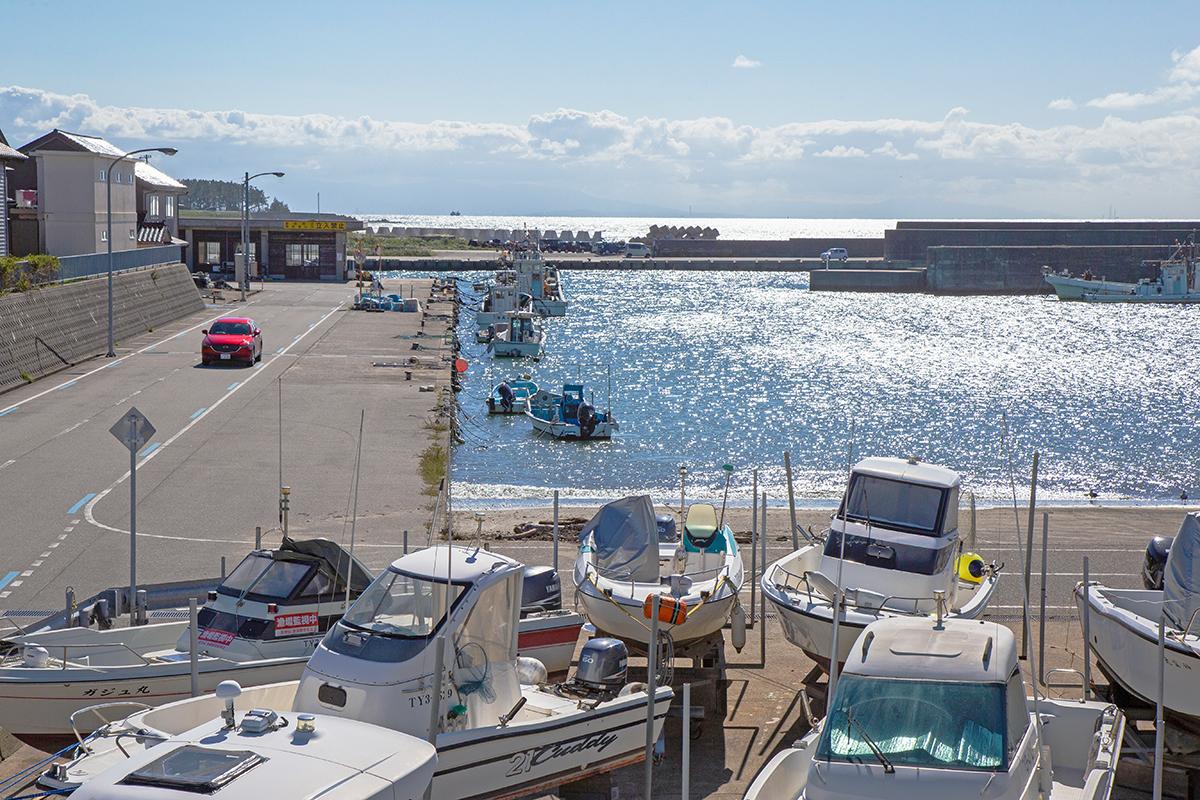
(637, 250)
(835, 254)
(232, 339)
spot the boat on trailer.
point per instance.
(500, 728)
(623, 563)
(893, 549)
(937, 708)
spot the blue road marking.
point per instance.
(82, 502)
(150, 449)
(232, 386)
(7, 411)
(68, 383)
(199, 411)
(7, 579)
(278, 350)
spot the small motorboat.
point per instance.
(485, 335)
(511, 396)
(936, 709)
(568, 415)
(1123, 624)
(522, 338)
(502, 298)
(622, 563)
(501, 729)
(893, 548)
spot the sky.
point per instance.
(789, 109)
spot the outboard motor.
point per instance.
(1156, 562)
(540, 591)
(603, 663)
(507, 398)
(587, 420)
(666, 528)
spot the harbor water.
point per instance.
(716, 368)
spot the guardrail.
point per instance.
(82, 266)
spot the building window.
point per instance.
(312, 254)
(104, 236)
(103, 176)
(170, 205)
(295, 255)
(152, 207)
(133, 234)
(210, 252)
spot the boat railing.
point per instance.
(1049, 684)
(14, 625)
(1187, 631)
(104, 721)
(66, 648)
(849, 596)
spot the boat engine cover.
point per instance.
(603, 663)
(1156, 562)
(666, 528)
(541, 590)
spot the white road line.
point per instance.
(89, 509)
(26, 574)
(36, 564)
(15, 584)
(54, 544)
(45, 554)
(73, 427)
(62, 536)
(6, 463)
(108, 364)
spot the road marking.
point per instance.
(26, 573)
(62, 536)
(7, 579)
(90, 507)
(15, 584)
(54, 544)
(108, 364)
(73, 522)
(6, 463)
(150, 448)
(45, 554)
(82, 502)
(233, 386)
(198, 412)
(278, 350)
(37, 563)
(73, 427)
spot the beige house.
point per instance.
(8, 158)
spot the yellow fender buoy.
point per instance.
(971, 567)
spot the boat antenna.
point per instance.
(728, 469)
(682, 481)
(837, 586)
(1005, 441)
(354, 513)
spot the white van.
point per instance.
(637, 250)
(835, 254)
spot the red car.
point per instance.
(232, 339)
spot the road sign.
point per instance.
(133, 429)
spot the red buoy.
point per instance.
(460, 365)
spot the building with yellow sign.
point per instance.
(292, 246)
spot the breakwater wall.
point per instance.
(633, 264)
(1018, 270)
(911, 244)
(45, 330)
(867, 280)
(765, 248)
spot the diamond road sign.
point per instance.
(133, 429)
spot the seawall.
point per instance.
(867, 280)
(71, 320)
(765, 248)
(1018, 270)
(912, 244)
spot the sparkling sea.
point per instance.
(715, 368)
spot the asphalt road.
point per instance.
(210, 472)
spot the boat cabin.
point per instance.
(572, 399)
(523, 327)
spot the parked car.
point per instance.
(834, 254)
(232, 339)
(637, 250)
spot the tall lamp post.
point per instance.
(245, 281)
(166, 151)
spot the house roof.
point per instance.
(77, 142)
(155, 177)
(7, 152)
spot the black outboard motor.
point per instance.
(1156, 562)
(666, 528)
(540, 591)
(587, 420)
(507, 398)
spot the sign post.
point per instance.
(132, 430)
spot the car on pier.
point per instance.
(232, 339)
(835, 254)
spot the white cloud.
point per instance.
(1187, 67)
(1183, 84)
(889, 149)
(841, 151)
(741, 62)
(1061, 104)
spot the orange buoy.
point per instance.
(460, 365)
(670, 610)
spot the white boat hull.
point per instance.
(1126, 645)
(623, 617)
(1068, 287)
(550, 637)
(550, 307)
(567, 430)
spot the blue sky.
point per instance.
(866, 109)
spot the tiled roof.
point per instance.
(155, 177)
(8, 152)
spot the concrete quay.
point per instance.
(489, 260)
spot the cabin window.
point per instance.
(262, 577)
(320, 586)
(910, 507)
(916, 723)
(1018, 713)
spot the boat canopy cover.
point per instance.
(624, 535)
(333, 554)
(1181, 578)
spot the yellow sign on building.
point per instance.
(312, 225)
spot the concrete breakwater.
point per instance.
(44, 330)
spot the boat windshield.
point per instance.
(262, 577)
(903, 506)
(936, 724)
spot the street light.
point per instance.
(245, 281)
(166, 151)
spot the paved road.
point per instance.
(210, 472)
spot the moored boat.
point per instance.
(569, 416)
(1177, 281)
(523, 337)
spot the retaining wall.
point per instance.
(764, 248)
(1018, 270)
(867, 280)
(912, 243)
(1066, 224)
(72, 319)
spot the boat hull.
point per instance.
(1068, 287)
(623, 617)
(549, 307)
(550, 637)
(567, 430)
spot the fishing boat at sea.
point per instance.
(523, 337)
(1177, 281)
(568, 415)
(1123, 626)
(499, 727)
(893, 549)
(937, 708)
(540, 281)
(502, 298)
(623, 563)
(510, 396)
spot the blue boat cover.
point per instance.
(624, 535)
(1181, 578)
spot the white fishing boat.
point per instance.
(499, 728)
(540, 281)
(522, 338)
(510, 396)
(622, 564)
(568, 415)
(1123, 626)
(893, 548)
(937, 709)
(258, 626)
(1178, 281)
(502, 298)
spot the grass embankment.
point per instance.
(402, 245)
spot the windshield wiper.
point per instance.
(887, 765)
